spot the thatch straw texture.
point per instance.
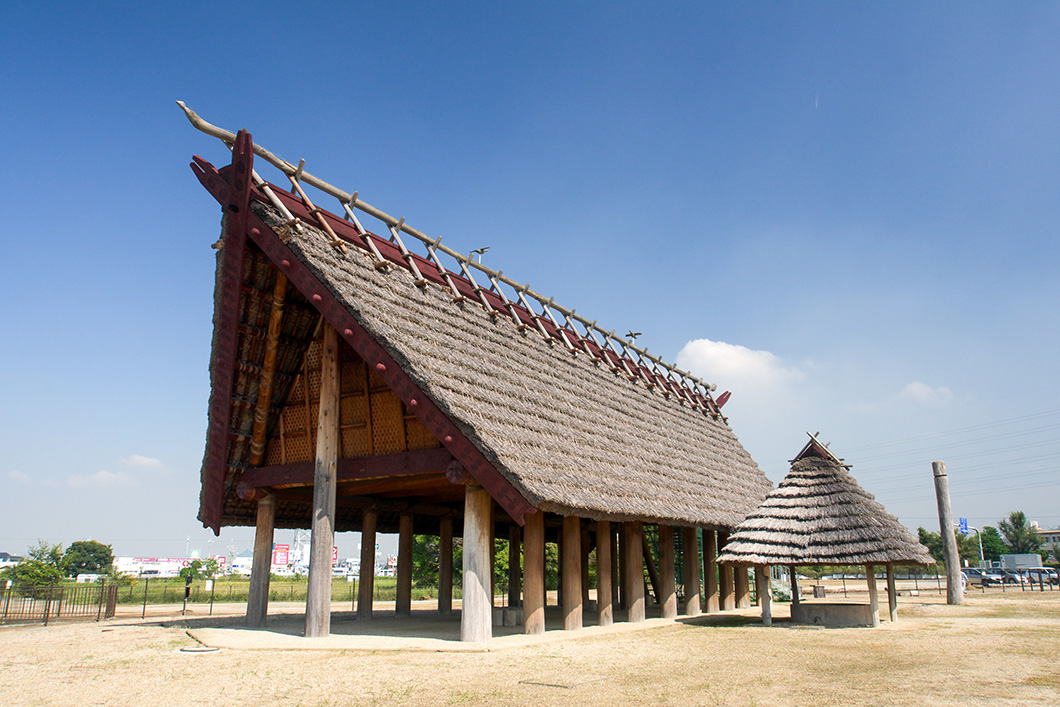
(819, 515)
(570, 435)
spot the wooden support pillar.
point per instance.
(874, 602)
(572, 573)
(710, 574)
(616, 560)
(515, 573)
(258, 599)
(725, 584)
(584, 548)
(534, 573)
(795, 598)
(445, 567)
(476, 616)
(366, 592)
(743, 587)
(325, 481)
(604, 565)
(633, 564)
(667, 573)
(690, 541)
(623, 567)
(892, 594)
(403, 603)
(764, 593)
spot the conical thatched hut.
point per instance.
(819, 515)
(359, 386)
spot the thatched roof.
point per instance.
(819, 515)
(567, 432)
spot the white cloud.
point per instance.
(734, 367)
(924, 394)
(138, 461)
(100, 479)
(19, 476)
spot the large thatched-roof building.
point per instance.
(359, 386)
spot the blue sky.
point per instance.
(846, 215)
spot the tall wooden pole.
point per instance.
(743, 587)
(764, 593)
(874, 600)
(258, 599)
(476, 616)
(667, 573)
(954, 590)
(604, 544)
(325, 480)
(534, 573)
(710, 574)
(572, 573)
(366, 590)
(445, 566)
(616, 561)
(690, 541)
(633, 564)
(892, 594)
(728, 595)
(403, 602)
(794, 586)
(623, 567)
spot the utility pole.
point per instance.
(954, 590)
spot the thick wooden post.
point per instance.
(690, 540)
(710, 575)
(633, 564)
(604, 541)
(258, 599)
(325, 481)
(794, 586)
(743, 587)
(667, 573)
(874, 602)
(954, 588)
(764, 593)
(725, 584)
(403, 603)
(366, 592)
(515, 573)
(892, 594)
(534, 573)
(572, 573)
(445, 566)
(476, 616)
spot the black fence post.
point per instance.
(143, 614)
(48, 602)
(102, 593)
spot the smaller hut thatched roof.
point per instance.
(819, 515)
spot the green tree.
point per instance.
(43, 565)
(967, 546)
(87, 557)
(993, 545)
(1018, 533)
(1055, 548)
(201, 569)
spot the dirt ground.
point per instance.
(997, 649)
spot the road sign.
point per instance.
(964, 526)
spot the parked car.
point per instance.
(992, 577)
(974, 575)
(1010, 576)
(1041, 575)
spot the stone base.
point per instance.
(832, 614)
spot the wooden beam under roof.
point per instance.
(422, 461)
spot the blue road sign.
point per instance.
(964, 526)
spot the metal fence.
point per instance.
(33, 603)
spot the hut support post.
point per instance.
(874, 602)
(325, 480)
(476, 616)
(743, 587)
(728, 597)
(765, 595)
(515, 574)
(403, 603)
(667, 572)
(572, 573)
(366, 590)
(623, 567)
(892, 594)
(710, 572)
(258, 599)
(794, 586)
(445, 566)
(534, 573)
(954, 589)
(604, 608)
(616, 563)
(633, 564)
(690, 541)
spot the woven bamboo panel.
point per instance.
(355, 442)
(419, 437)
(353, 409)
(374, 381)
(352, 377)
(312, 354)
(300, 448)
(388, 425)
